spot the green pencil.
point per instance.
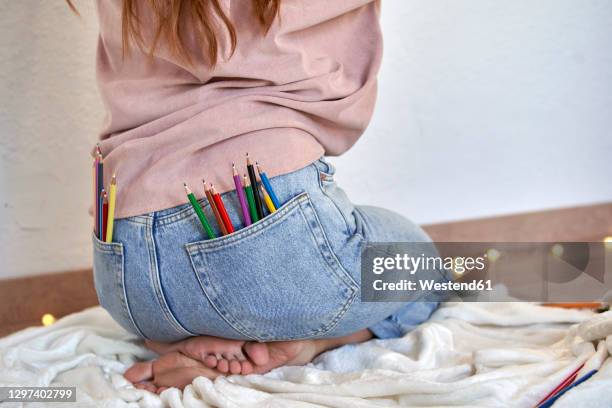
(199, 212)
(251, 199)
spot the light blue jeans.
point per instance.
(293, 275)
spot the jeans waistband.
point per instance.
(182, 211)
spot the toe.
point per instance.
(235, 367)
(223, 366)
(257, 352)
(139, 372)
(146, 385)
(247, 368)
(210, 361)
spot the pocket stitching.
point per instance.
(236, 237)
(336, 270)
(155, 282)
(116, 248)
(225, 315)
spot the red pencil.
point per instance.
(213, 207)
(221, 209)
(568, 380)
(104, 213)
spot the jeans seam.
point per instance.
(125, 300)
(303, 204)
(215, 304)
(330, 178)
(244, 233)
(155, 281)
(181, 214)
(116, 249)
(332, 260)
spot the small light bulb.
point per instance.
(557, 250)
(608, 241)
(492, 254)
(48, 319)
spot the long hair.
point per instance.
(202, 17)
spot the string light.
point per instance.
(557, 250)
(493, 254)
(48, 319)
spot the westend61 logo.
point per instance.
(485, 271)
(411, 264)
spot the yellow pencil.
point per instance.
(268, 200)
(111, 209)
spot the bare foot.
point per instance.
(170, 370)
(300, 352)
(214, 352)
(183, 361)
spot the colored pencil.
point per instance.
(549, 403)
(240, 192)
(214, 209)
(104, 215)
(566, 381)
(577, 305)
(266, 182)
(267, 200)
(222, 211)
(96, 194)
(100, 187)
(253, 177)
(112, 198)
(251, 199)
(94, 188)
(199, 212)
(101, 214)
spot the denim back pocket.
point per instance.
(108, 268)
(277, 279)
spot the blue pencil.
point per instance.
(266, 182)
(549, 403)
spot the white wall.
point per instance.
(484, 108)
(50, 114)
(489, 107)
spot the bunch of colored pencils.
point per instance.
(252, 197)
(104, 203)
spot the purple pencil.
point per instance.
(240, 191)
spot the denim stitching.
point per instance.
(213, 300)
(108, 247)
(181, 214)
(236, 237)
(334, 264)
(329, 178)
(138, 219)
(155, 282)
(124, 298)
(118, 259)
(198, 250)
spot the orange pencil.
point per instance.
(214, 209)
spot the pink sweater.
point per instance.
(306, 88)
